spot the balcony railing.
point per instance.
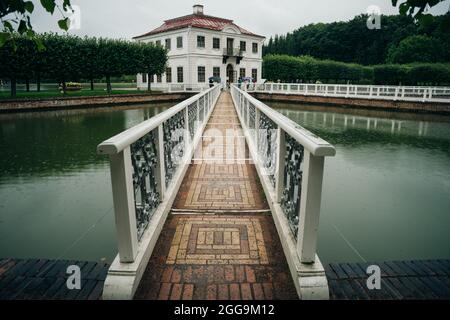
(233, 52)
(290, 160)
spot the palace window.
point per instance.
(158, 43)
(255, 74)
(144, 77)
(200, 41)
(242, 73)
(169, 75)
(216, 43)
(179, 42)
(201, 74)
(180, 75)
(159, 78)
(243, 46)
(168, 44)
(216, 72)
(255, 47)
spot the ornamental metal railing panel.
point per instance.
(290, 162)
(146, 159)
(400, 93)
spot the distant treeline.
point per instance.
(399, 40)
(308, 69)
(71, 58)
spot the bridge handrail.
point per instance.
(316, 145)
(386, 92)
(147, 163)
(176, 87)
(120, 141)
(290, 160)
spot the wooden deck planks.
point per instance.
(37, 279)
(400, 280)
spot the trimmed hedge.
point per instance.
(307, 69)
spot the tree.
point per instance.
(352, 42)
(153, 60)
(90, 70)
(64, 59)
(15, 16)
(417, 9)
(416, 49)
(17, 61)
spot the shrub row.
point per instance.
(308, 69)
(71, 58)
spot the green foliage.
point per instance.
(16, 17)
(424, 74)
(390, 74)
(417, 9)
(417, 49)
(351, 41)
(308, 69)
(154, 60)
(71, 58)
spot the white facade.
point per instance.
(192, 57)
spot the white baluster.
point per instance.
(124, 210)
(310, 207)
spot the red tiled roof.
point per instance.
(196, 21)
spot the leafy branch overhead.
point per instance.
(15, 17)
(417, 9)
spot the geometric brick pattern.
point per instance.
(218, 240)
(216, 186)
(166, 277)
(222, 176)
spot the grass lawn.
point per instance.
(56, 94)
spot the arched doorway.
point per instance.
(230, 73)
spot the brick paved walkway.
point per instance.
(234, 253)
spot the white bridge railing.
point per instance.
(148, 163)
(175, 87)
(290, 161)
(401, 93)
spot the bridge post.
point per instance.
(124, 210)
(311, 195)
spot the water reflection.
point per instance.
(55, 191)
(60, 142)
(354, 128)
(386, 194)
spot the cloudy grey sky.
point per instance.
(125, 19)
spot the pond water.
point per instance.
(386, 194)
(55, 191)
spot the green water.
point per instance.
(386, 193)
(55, 191)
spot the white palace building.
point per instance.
(201, 46)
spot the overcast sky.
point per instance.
(128, 18)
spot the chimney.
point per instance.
(198, 9)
